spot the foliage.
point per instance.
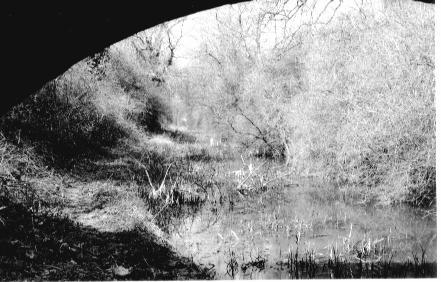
(369, 116)
(351, 101)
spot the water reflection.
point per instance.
(287, 233)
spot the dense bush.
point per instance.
(142, 86)
(352, 102)
(154, 115)
(60, 123)
(368, 118)
(247, 98)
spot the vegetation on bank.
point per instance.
(79, 178)
(368, 117)
(351, 103)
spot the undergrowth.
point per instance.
(368, 117)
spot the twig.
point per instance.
(277, 177)
(150, 181)
(249, 175)
(53, 266)
(163, 181)
(163, 207)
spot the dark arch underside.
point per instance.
(41, 41)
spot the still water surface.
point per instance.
(253, 237)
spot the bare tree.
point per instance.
(156, 47)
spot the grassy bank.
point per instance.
(95, 217)
(83, 182)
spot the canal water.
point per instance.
(263, 236)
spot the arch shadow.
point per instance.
(42, 40)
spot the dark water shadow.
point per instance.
(306, 268)
(333, 269)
